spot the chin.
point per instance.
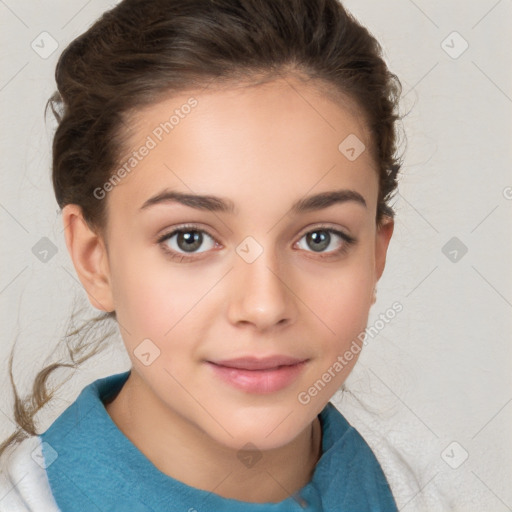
(267, 430)
(256, 439)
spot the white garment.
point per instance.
(24, 485)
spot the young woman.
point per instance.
(224, 170)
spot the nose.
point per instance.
(260, 295)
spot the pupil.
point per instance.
(320, 236)
(192, 242)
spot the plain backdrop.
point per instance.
(439, 374)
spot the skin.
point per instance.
(263, 147)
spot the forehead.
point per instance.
(269, 142)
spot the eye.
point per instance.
(183, 243)
(185, 240)
(321, 238)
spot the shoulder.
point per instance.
(24, 485)
(348, 473)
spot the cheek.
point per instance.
(156, 299)
(342, 299)
(341, 306)
(144, 294)
(342, 310)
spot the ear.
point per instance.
(382, 238)
(90, 258)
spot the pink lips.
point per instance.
(259, 375)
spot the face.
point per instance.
(256, 270)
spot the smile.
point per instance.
(258, 376)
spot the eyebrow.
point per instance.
(222, 205)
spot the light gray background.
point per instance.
(440, 372)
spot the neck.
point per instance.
(276, 474)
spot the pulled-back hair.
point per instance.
(142, 51)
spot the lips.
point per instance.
(258, 375)
(254, 363)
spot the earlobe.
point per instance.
(383, 237)
(90, 259)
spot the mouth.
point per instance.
(259, 375)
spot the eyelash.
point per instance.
(348, 241)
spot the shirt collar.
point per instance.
(92, 463)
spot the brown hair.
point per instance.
(143, 50)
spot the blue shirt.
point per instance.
(92, 466)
